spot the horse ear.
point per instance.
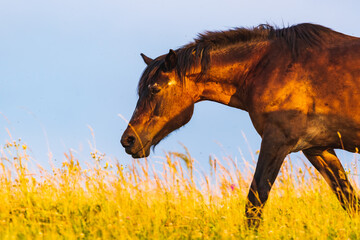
(170, 60)
(146, 59)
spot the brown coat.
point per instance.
(300, 85)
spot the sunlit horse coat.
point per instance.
(300, 86)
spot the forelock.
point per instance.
(150, 73)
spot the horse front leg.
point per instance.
(274, 148)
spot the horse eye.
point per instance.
(155, 88)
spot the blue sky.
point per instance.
(66, 65)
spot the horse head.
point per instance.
(164, 105)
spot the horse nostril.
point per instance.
(130, 140)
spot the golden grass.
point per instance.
(166, 200)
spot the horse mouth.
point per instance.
(144, 151)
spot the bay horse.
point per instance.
(299, 84)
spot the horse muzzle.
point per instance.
(134, 146)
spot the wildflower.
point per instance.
(24, 147)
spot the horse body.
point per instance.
(300, 86)
(313, 99)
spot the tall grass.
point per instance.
(171, 199)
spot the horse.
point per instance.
(300, 85)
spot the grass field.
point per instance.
(168, 199)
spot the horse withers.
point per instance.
(300, 86)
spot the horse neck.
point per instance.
(225, 80)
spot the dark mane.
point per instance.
(296, 38)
